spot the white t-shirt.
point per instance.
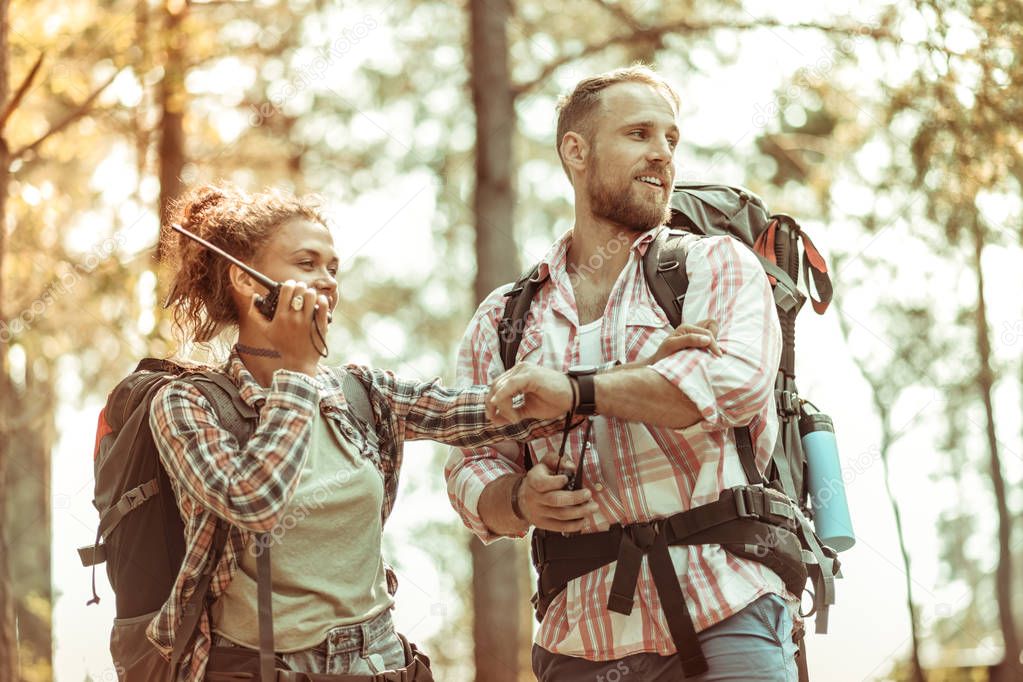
(600, 435)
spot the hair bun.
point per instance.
(202, 200)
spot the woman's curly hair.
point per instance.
(238, 222)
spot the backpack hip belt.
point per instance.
(229, 664)
(754, 522)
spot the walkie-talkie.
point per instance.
(266, 304)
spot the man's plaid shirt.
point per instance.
(660, 471)
(251, 485)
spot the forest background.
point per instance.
(892, 131)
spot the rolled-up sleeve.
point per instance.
(248, 485)
(469, 470)
(727, 284)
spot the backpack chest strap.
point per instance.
(128, 502)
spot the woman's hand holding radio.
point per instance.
(288, 331)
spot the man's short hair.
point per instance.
(577, 109)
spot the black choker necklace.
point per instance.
(262, 352)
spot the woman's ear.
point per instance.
(241, 282)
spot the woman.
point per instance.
(319, 481)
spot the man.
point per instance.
(661, 436)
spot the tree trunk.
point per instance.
(172, 105)
(1010, 667)
(498, 602)
(494, 104)
(28, 521)
(8, 638)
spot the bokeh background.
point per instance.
(892, 131)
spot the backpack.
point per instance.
(792, 550)
(710, 210)
(141, 534)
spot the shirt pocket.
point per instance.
(349, 433)
(529, 347)
(645, 328)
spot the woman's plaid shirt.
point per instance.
(251, 485)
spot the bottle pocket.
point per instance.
(135, 657)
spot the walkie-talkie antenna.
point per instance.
(256, 274)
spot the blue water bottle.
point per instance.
(827, 489)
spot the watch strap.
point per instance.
(587, 395)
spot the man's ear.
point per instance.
(574, 151)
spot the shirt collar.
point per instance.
(556, 258)
(248, 388)
(253, 394)
(642, 242)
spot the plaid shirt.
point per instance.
(660, 471)
(250, 486)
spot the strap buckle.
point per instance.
(637, 540)
(131, 499)
(91, 555)
(644, 534)
(745, 505)
(137, 495)
(788, 403)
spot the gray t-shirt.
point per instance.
(325, 558)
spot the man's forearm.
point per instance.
(640, 394)
(495, 508)
(627, 366)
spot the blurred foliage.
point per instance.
(294, 93)
(935, 147)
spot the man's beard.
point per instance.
(620, 205)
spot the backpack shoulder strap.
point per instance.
(664, 267)
(358, 397)
(513, 323)
(184, 633)
(235, 414)
(516, 307)
(747, 455)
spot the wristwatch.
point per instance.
(583, 377)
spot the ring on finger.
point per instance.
(297, 302)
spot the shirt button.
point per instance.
(598, 487)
